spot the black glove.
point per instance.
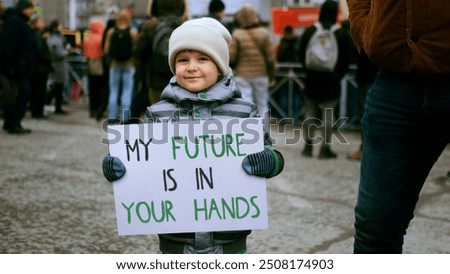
(267, 163)
(113, 168)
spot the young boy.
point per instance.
(203, 88)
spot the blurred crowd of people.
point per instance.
(124, 86)
(33, 59)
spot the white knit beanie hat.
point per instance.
(206, 35)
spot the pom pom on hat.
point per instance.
(206, 35)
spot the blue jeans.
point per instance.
(120, 77)
(406, 127)
(255, 90)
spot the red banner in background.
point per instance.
(294, 16)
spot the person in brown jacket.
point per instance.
(252, 54)
(406, 116)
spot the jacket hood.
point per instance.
(222, 91)
(97, 27)
(92, 47)
(247, 17)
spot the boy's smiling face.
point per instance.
(195, 71)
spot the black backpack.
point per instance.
(159, 62)
(121, 44)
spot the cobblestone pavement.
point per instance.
(54, 199)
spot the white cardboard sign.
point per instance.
(187, 176)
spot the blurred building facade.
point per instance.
(76, 14)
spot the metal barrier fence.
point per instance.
(76, 68)
(288, 90)
(290, 80)
(76, 84)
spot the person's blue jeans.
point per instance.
(406, 127)
(120, 77)
(256, 90)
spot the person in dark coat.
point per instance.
(18, 51)
(216, 10)
(44, 67)
(322, 89)
(286, 53)
(149, 84)
(286, 48)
